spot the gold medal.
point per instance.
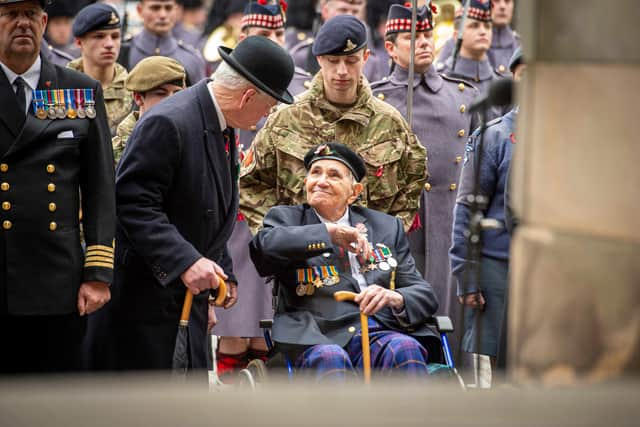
(310, 289)
(317, 282)
(41, 113)
(71, 113)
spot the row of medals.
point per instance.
(384, 265)
(309, 288)
(59, 111)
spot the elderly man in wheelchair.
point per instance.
(328, 245)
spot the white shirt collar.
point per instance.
(344, 220)
(31, 76)
(221, 119)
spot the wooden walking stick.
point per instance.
(364, 325)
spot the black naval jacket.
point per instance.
(177, 201)
(293, 237)
(46, 168)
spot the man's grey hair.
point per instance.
(227, 77)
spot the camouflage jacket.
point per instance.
(273, 169)
(117, 99)
(122, 134)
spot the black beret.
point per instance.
(340, 35)
(97, 16)
(340, 153)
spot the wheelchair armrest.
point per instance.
(442, 323)
(266, 324)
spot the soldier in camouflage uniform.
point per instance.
(97, 32)
(152, 80)
(337, 107)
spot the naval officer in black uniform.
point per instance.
(177, 201)
(54, 152)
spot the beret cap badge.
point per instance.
(323, 150)
(350, 46)
(114, 19)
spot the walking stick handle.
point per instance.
(344, 296)
(222, 291)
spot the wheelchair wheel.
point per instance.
(245, 380)
(258, 369)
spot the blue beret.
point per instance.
(97, 16)
(340, 153)
(340, 35)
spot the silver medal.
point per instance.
(392, 262)
(301, 290)
(384, 266)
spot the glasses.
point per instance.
(14, 14)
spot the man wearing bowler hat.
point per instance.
(177, 201)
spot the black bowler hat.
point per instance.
(340, 153)
(399, 18)
(263, 63)
(97, 16)
(340, 35)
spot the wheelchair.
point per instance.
(440, 364)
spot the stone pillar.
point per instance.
(575, 262)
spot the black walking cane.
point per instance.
(180, 363)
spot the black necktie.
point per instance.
(19, 82)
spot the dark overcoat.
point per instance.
(177, 201)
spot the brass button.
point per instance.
(463, 108)
(452, 187)
(301, 36)
(157, 51)
(427, 186)
(461, 133)
(501, 68)
(352, 329)
(381, 96)
(5, 186)
(6, 206)
(307, 84)
(52, 207)
(51, 187)
(7, 225)
(51, 168)
(53, 226)
(458, 159)
(461, 87)
(4, 167)
(253, 128)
